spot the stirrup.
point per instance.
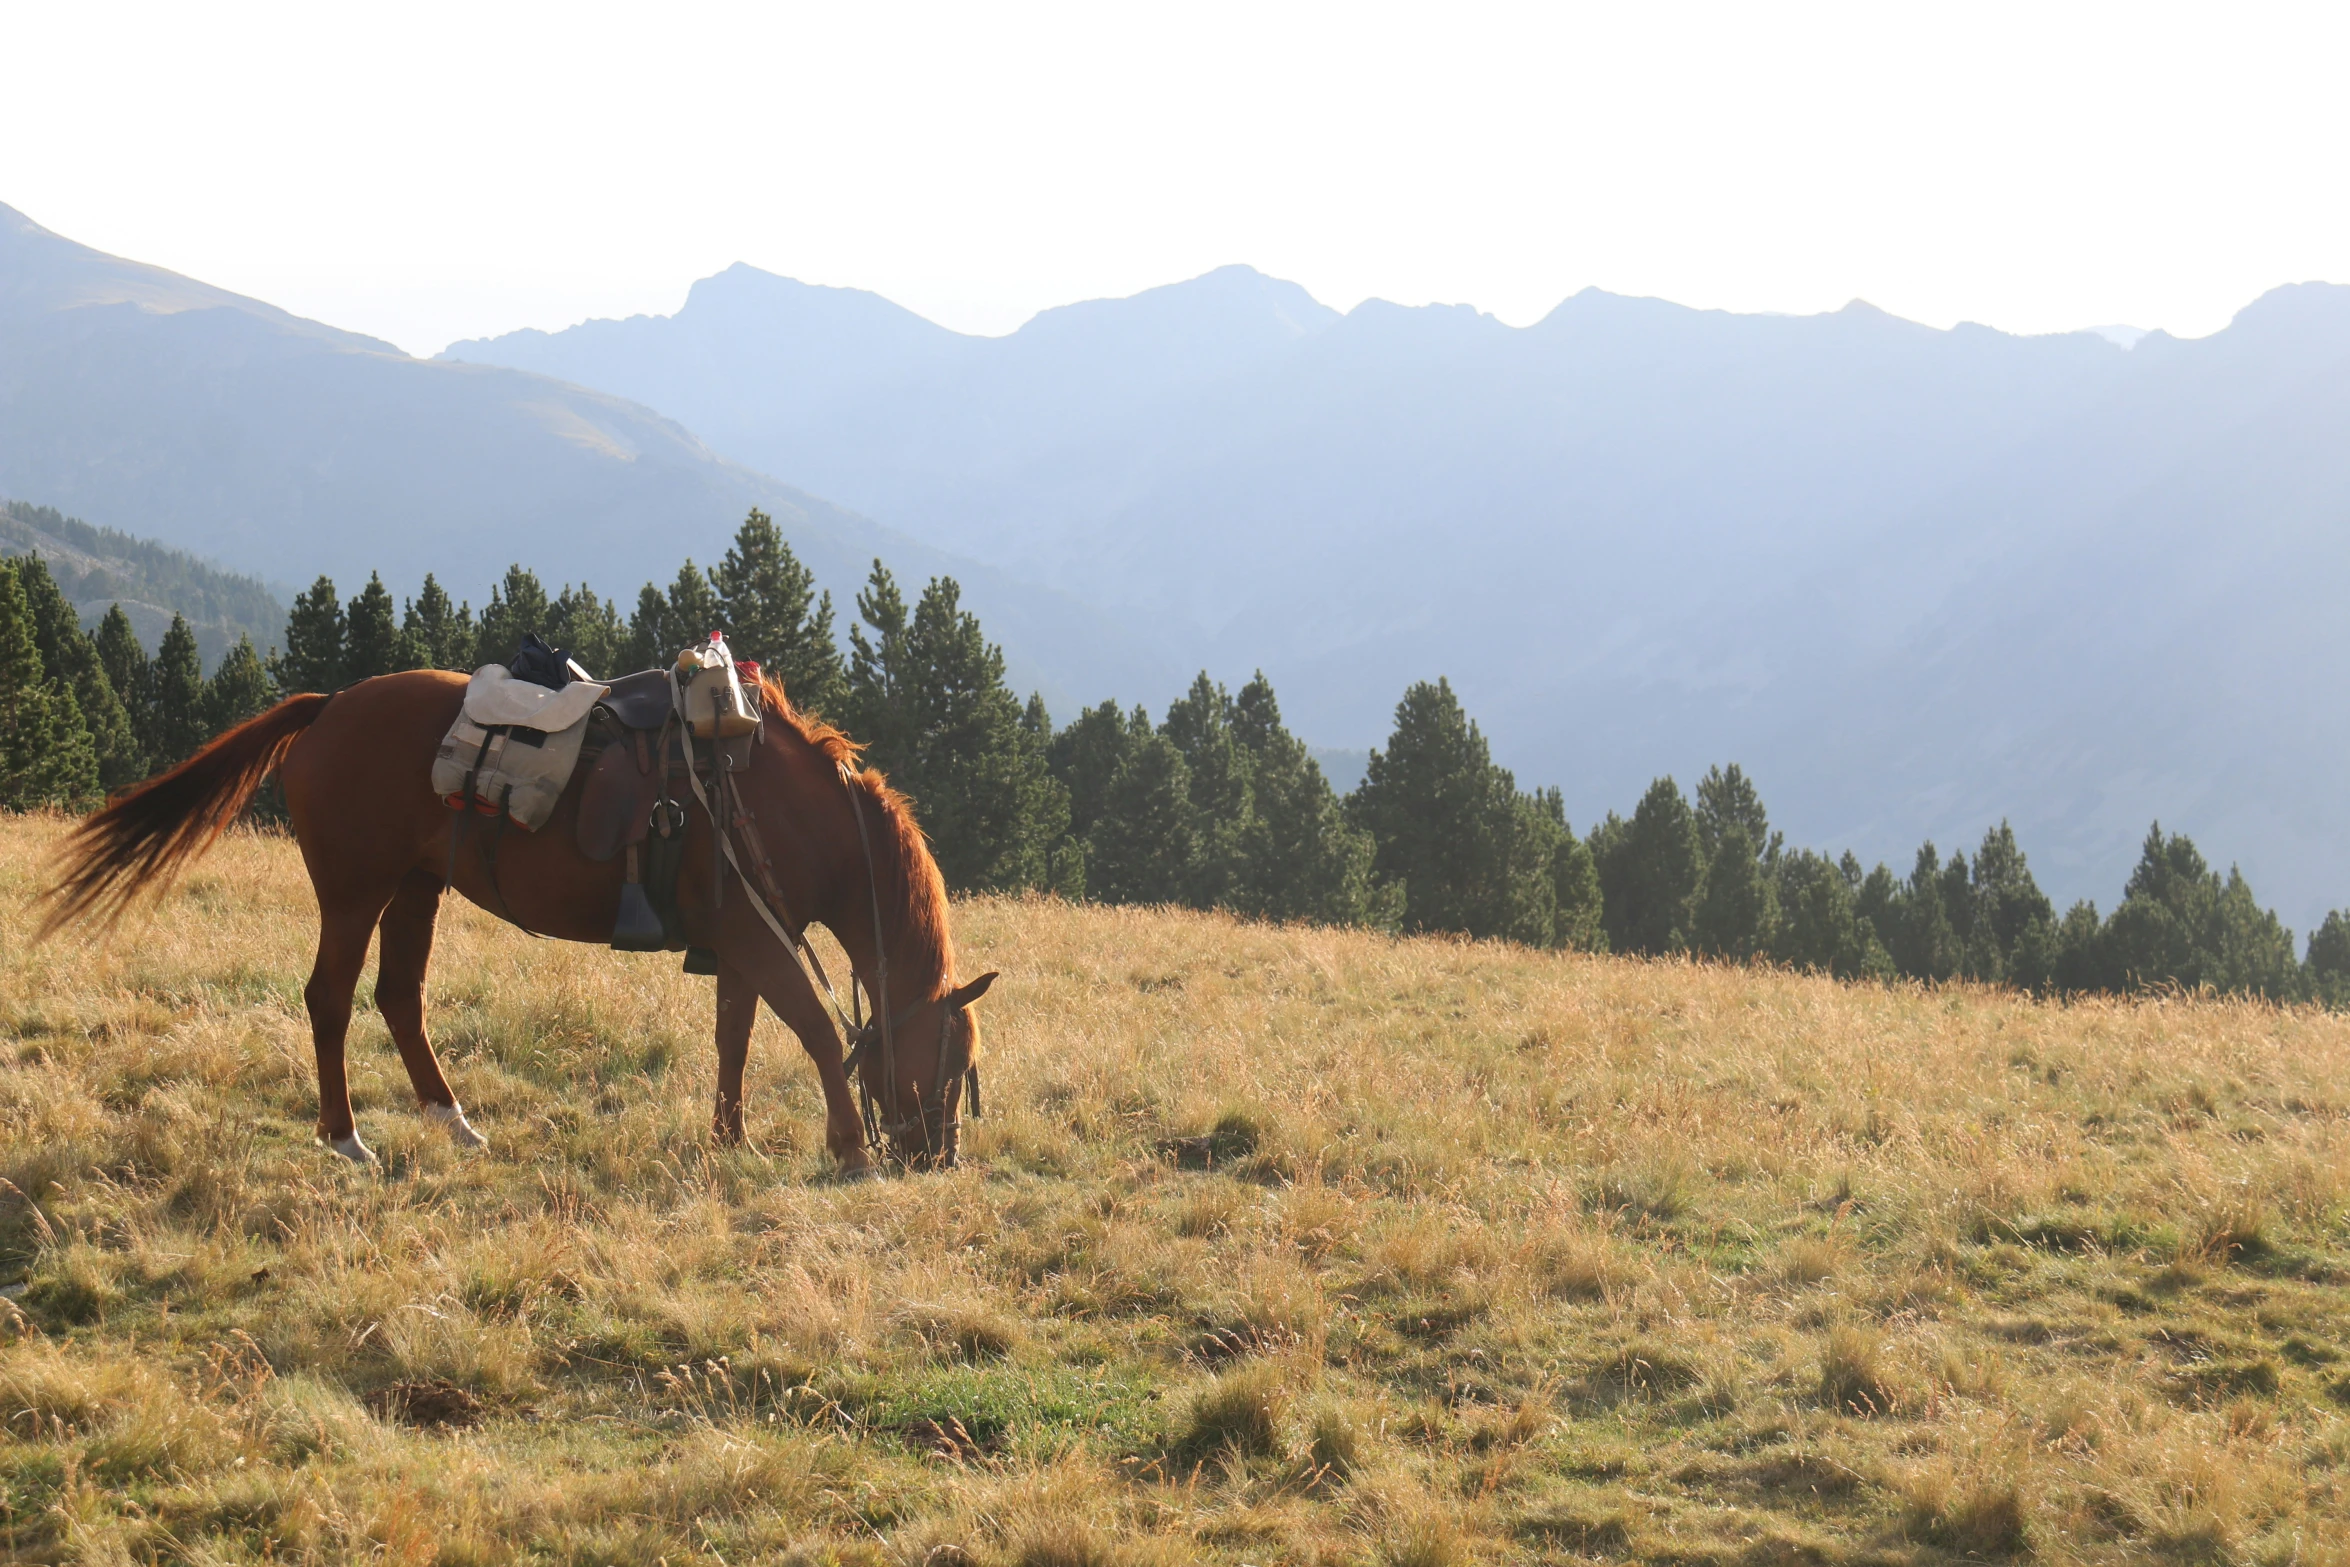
(638, 927)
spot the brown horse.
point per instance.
(356, 770)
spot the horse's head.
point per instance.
(916, 1074)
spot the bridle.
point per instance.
(937, 1116)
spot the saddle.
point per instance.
(638, 701)
(634, 803)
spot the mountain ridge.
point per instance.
(1641, 537)
(227, 427)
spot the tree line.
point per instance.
(1215, 805)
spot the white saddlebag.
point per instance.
(518, 741)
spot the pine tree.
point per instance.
(179, 718)
(1650, 870)
(1736, 912)
(2326, 971)
(2082, 963)
(650, 644)
(1300, 857)
(2180, 923)
(436, 634)
(2156, 935)
(1200, 725)
(773, 616)
(1141, 848)
(1087, 755)
(589, 629)
(930, 702)
(45, 752)
(313, 656)
(880, 701)
(74, 763)
(1921, 936)
(2252, 951)
(239, 689)
(70, 656)
(2013, 918)
(1726, 798)
(1575, 883)
(371, 638)
(518, 604)
(692, 611)
(1066, 875)
(1816, 920)
(1472, 854)
(119, 650)
(132, 677)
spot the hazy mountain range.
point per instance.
(148, 402)
(1915, 580)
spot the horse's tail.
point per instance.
(145, 838)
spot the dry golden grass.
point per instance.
(1278, 1245)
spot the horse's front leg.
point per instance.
(750, 964)
(738, 1009)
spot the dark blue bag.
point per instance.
(540, 664)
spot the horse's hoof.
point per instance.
(351, 1148)
(451, 1119)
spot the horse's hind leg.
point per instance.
(399, 995)
(344, 930)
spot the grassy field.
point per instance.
(1277, 1245)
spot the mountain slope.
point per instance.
(227, 427)
(97, 568)
(1916, 580)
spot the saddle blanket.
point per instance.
(517, 742)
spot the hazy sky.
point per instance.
(426, 172)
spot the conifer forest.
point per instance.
(1214, 805)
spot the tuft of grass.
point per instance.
(1652, 1186)
(1645, 1368)
(1981, 1515)
(1335, 1441)
(1853, 1376)
(963, 1331)
(1243, 1411)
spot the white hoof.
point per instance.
(451, 1119)
(351, 1148)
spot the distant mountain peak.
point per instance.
(1232, 298)
(2296, 307)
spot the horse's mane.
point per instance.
(913, 895)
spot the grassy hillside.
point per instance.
(99, 567)
(1501, 1256)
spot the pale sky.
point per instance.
(429, 171)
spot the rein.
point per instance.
(879, 1135)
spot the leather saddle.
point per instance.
(639, 701)
(636, 791)
(633, 784)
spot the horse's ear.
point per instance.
(971, 992)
